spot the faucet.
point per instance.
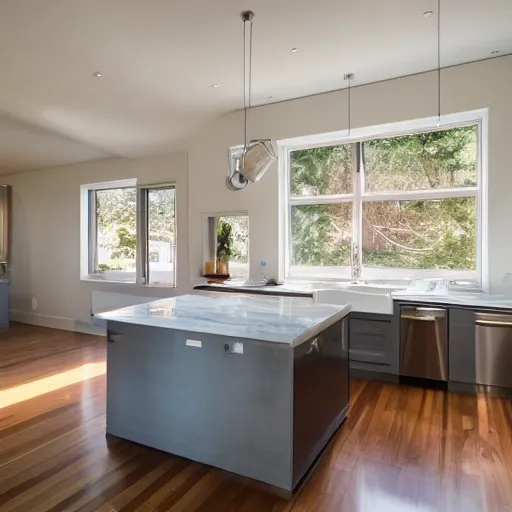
(355, 264)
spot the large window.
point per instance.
(129, 233)
(398, 207)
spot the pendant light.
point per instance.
(438, 63)
(349, 77)
(258, 154)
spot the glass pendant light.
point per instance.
(258, 154)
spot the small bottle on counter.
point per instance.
(263, 272)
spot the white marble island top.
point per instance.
(286, 320)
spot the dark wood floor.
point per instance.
(401, 449)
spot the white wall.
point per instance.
(469, 87)
(46, 203)
(46, 237)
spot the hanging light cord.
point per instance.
(349, 77)
(349, 104)
(438, 63)
(247, 101)
(250, 62)
(245, 90)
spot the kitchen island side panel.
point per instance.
(227, 410)
(321, 394)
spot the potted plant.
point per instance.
(224, 246)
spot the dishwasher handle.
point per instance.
(493, 320)
(422, 314)
(490, 323)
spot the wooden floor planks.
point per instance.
(401, 448)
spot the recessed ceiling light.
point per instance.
(427, 14)
(295, 50)
(98, 74)
(495, 52)
(215, 86)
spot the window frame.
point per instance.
(143, 271)
(359, 196)
(209, 234)
(88, 243)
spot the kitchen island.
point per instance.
(253, 385)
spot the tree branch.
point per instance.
(399, 245)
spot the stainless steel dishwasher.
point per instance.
(423, 343)
(493, 349)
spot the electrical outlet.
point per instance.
(34, 303)
(507, 276)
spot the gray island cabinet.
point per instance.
(253, 385)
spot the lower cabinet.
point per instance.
(462, 356)
(373, 344)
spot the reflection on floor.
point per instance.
(401, 449)
(17, 394)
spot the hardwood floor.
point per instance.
(401, 449)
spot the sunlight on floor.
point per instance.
(39, 387)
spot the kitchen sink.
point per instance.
(360, 299)
(379, 289)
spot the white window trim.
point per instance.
(125, 278)
(286, 146)
(142, 264)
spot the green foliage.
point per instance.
(116, 212)
(321, 234)
(397, 234)
(240, 232)
(322, 171)
(126, 244)
(102, 267)
(421, 161)
(224, 240)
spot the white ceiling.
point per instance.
(161, 57)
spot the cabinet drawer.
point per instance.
(370, 341)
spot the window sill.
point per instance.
(98, 279)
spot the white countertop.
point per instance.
(457, 298)
(286, 320)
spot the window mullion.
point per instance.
(357, 212)
(428, 194)
(93, 232)
(314, 200)
(142, 238)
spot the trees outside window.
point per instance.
(407, 203)
(117, 238)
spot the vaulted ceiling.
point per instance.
(160, 58)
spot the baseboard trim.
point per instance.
(55, 322)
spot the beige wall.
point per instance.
(465, 88)
(46, 236)
(46, 203)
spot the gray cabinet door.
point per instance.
(370, 341)
(462, 346)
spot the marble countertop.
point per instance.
(476, 299)
(285, 320)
